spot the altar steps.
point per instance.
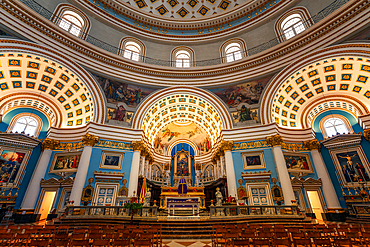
(188, 230)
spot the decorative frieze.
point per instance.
(89, 140)
(256, 176)
(49, 144)
(18, 140)
(227, 145)
(275, 140)
(312, 145)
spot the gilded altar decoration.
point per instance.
(138, 146)
(49, 144)
(89, 140)
(88, 192)
(312, 145)
(227, 145)
(277, 192)
(250, 145)
(275, 140)
(65, 162)
(366, 134)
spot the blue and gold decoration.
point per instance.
(294, 95)
(331, 87)
(183, 188)
(83, 97)
(14, 62)
(61, 99)
(172, 3)
(330, 78)
(309, 95)
(31, 75)
(362, 79)
(203, 10)
(192, 3)
(67, 106)
(319, 90)
(17, 84)
(15, 73)
(4, 86)
(344, 86)
(30, 84)
(182, 12)
(50, 70)
(346, 66)
(53, 92)
(46, 79)
(141, 4)
(42, 88)
(356, 89)
(367, 94)
(68, 93)
(59, 85)
(303, 88)
(33, 65)
(224, 4)
(329, 68)
(346, 77)
(211, 1)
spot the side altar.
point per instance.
(182, 201)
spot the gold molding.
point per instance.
(275, 140)
(89, 140)
(313, 145)
(49, 144)
(138, 146)
(226, 146)
(366, 134)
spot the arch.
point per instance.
(51, 82)
(336, 74)
(330, 117)
(206, 167)
(173, 144)
(59, 18)
(182, 57)
(292, 22)
(19, 117)
(228, 54)
(132, 48)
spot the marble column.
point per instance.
(33, 189)
(230, 171)
(146, 168)
(330, 195)
(150, 171)
(222, 164)
(282, 171)
(142, 166)
(88, 141)
(134, 173)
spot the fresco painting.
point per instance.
(118, 92)
(10, 163)
(249, 93)
(175, 131)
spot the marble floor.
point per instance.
(187, 243)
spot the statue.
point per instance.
(147, 197)
(219, 197)
(197, 177)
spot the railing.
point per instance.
(110, 212)
(116, 50)
(243, 211)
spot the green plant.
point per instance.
(133, 205)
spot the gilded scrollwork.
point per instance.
(227, 146)
(89, 140)
(312, 145)
(49, 144)
(366, 134)
(275, 140)
(138, 146)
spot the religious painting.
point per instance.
(11, 162)
(182, 164)
(184, 130)
(298, 162)
(111, 160)
(119, 92)
(253, 160)
(352, 166)
(245, 114)
(65, 162)
(249, 92)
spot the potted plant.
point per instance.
(133, 207)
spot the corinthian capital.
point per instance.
(49, 144)
(366, 134)
(89, 140)
(275, 140)
(312, 145)
(227, 145)
(138, 146)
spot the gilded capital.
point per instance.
(275, 140)
(227, 146)
(366, 134)
(138, 146)
(89, 140)
(312, 145)
(49, 144)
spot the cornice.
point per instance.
(331, 29)
(253, 11)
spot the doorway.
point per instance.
(313, 197)
(47, 203)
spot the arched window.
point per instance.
(72, 20)
(292, 23)
(182, 57)
(233, 50)
(132, 48)
(334, 126)
(292, 26)
(26, 125)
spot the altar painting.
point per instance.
(249, 92)
(65, 162)
(175, 131)
(182, 164)
(10, 164)
(352, 166)
(298, 162)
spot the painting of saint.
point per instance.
(297, 162)
(120, 113)
(352, 167)
(65, 162)
(10, 163)
(182, 167)
(121, 92)
(253, 160)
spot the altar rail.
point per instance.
(245, 211)
(110, 212)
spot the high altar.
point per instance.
(171, 194)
